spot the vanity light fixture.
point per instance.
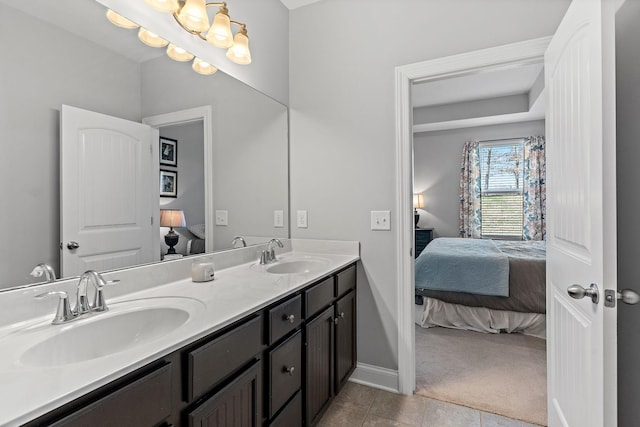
(203, 67)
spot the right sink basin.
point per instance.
(298, 266)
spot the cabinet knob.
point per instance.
(336, 320)
(288, 370)
(342, 315)
(291, 318)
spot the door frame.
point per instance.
(204, 114)
(506, 56)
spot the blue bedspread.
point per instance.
(463, 265)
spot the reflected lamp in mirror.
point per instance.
(172, 218)
(418, 203)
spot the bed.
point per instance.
(482, 285)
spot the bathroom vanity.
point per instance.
(263, 345)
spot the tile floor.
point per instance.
(361, 406)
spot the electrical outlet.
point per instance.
(222, 217)
(302, 219)
(278, 219)
(381, 220)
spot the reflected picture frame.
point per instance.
(168, 183)
(168, 151)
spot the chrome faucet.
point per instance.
(269, 255)
(65, 314)
(238, 239)
(46, 270)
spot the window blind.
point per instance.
(501, 174)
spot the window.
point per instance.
(501, 174)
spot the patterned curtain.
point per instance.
(534, 189)
(470, 204)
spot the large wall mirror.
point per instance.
(53, 61)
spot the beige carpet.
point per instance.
(500, 373)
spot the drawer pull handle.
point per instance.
(291, 318)
(288, 370)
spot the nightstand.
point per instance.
(423, 237)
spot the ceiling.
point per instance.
(472, 87)
(294, 4)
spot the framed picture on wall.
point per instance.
(168, 183)
(168, 151)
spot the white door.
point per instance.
(581, 201)
(107, 193)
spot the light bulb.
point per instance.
(178, 54)
(120, 21)
(168, 6)
(203, 67)
(151, 39)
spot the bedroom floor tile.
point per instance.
(362, 406)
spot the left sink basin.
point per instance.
(125, 326)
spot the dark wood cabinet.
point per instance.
(422, 238)
(279, 366)
(238, 404)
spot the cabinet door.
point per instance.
(319, 364)
(237, 405)
(345, 338)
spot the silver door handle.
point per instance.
(578, 292)
(627, 296)
(73, 245)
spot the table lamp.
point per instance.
(418, 203)
(172, 218)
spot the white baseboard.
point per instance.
(375, 376)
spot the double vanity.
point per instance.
(259, 345)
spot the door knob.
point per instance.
(578, 292)
(73, 245)
(627, 296)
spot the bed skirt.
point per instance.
(437, 313)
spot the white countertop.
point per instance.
(30, 391)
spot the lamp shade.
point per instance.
(168, 6)
(193, 15)
(151, 39)
(203, 67)
(120, 21)
(239, 52)
(220, 34)
(172, 218)
(178, 54)
(418, 201)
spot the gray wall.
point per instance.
(250, 159)
(342, 98)
(436, 159)
(628, 177)
(41, 69)
(190, 137)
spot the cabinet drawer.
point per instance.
(237, 404)
(144, 402)
(291, 415)
(346, 280)
(285, 372)
(318, 297)
(212, 362)
(284, 318)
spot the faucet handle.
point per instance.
(63, 312)
(99, 303)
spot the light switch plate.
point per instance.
(302, 219)
(222, 218)
(278, 219)
(381, 220)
